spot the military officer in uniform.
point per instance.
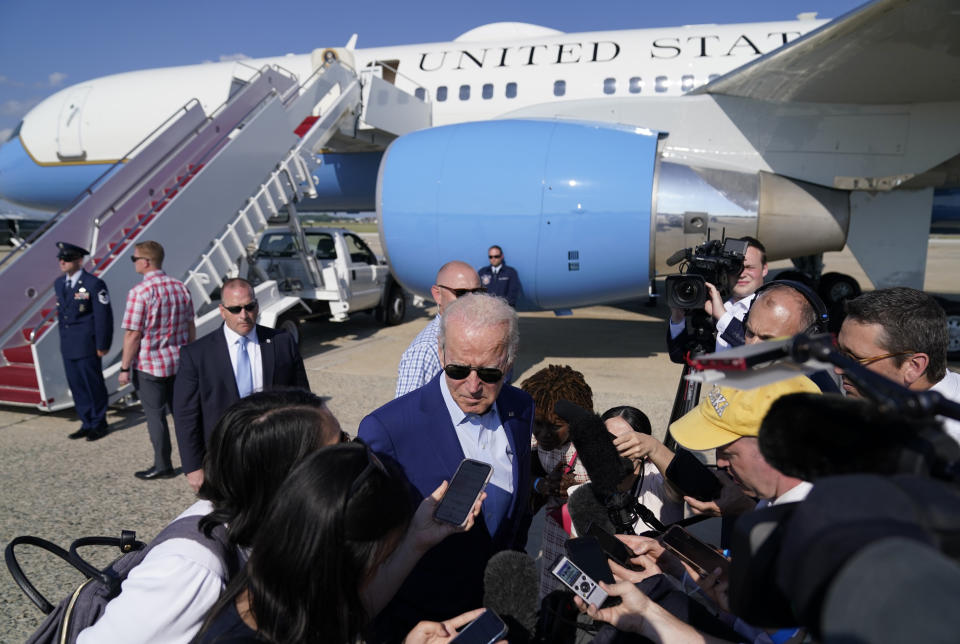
(86, 330)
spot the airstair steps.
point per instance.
(186, 184)
(19, 376)
(15, 395)
(20, 354)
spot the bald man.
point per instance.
(420, 362)
(781, 310)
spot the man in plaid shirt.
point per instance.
(157, 320)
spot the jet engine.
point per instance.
(586, 212)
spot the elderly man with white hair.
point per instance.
(465, 411)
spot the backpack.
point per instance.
(84, 606)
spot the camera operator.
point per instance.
(901, 333)
(728, 316)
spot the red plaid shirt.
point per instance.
(161, 309)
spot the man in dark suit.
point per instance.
(498, 278)
(85, 320)
(463, 412)
(224, 366)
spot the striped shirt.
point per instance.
(161, 309)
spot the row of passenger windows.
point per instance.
(634, 85)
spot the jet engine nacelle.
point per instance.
(585, 212)
(568, 202)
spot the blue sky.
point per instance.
(46, 45)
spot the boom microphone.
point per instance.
(810, 436)
(595, 448)
(511, 588)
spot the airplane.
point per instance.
(592, 157)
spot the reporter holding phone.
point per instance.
(340, 537)
(465, 411)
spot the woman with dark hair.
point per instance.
(335, 524)
(256, 443)
(633, 439)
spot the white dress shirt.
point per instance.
(482, 438)
(253, 352)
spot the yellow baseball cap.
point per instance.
(726, 414)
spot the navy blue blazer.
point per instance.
(416, 434)
(84, 316)
(205, 385)
(506, 284)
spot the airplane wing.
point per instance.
(884, 52)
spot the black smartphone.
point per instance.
(613, 547)
(589, 557)
(464, 489)
(692, 477)
(486, 629)
(700, 556)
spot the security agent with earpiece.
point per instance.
(784, 308)
(85, 320)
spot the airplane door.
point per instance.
(69, 127)
(364, 267)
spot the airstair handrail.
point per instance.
(89, 190)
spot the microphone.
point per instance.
(594, 448)
(585, 509)
(511, 587)
(603, 463)
(677, 257)
(810, 436)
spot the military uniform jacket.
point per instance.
(84, 315)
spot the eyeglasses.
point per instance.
(867, 361)
(460, 372)
(135, 259)
(249, 307)
(460, 292)
(494, 256)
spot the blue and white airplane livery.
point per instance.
(592, 157)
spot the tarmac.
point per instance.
(61, 489)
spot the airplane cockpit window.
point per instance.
(662, 84)
(609, 85)
(420, 93)
(511, 90)
(636, 85)
(712, 77)
(559, 88)
(464, 92)
(441, 93)
(686, 82)
(487, 91)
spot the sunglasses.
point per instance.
(868, 361)
(494, 256)
(249, 307)
(135, 259)
(460, 292)
(373, 465)
(460, 372)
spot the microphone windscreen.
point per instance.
(511, 587)
(595, 448)
(810, 436)
(585, 509)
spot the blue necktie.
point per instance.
(244, 372)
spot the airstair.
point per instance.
(204, 187)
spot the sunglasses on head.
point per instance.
(460, 292)
(460, 372)
(249, 307)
